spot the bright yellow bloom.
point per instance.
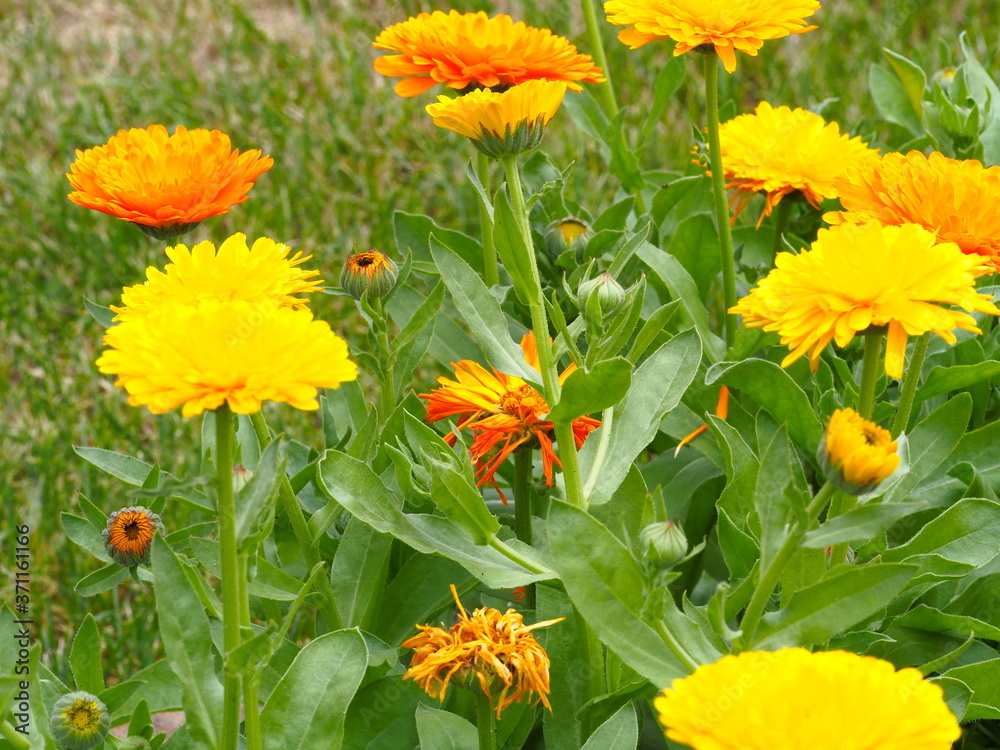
(731, 26)
(858, 276)
(165, 182)
(489, 649)
(501, 124)
(236, 271)
(796, 700)
(469, 49)
(239, 352)
(778, 151)
(128, 536)
(957, 200)
(859, 454)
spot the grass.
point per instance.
(296, 80)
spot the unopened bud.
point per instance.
(570, 233)
(610, 294)
(663, 543)
(370, 272)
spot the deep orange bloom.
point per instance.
(470, 49)
(503, 413)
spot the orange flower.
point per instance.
(957, 200)
(470, 49)
(165, 184)
(503, 413)
(488, 649)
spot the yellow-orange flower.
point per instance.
(128, 536)
(858, 276)
(501, 124)
(165, 183)
(370, 272)
(778, 150)
(239, 352)
(829, 700)
(730, 26)
(503, 413)
(236, 271)
(489, 650)
(957, 200)
(857, 453)
(469, 49)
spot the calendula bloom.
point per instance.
(503, 413)
(829, 700)
(856, 277)
(236, 271)
(79, 721)
(778, 150)
(165, 184)
(857, 455)
(235, 351)
(469, 49)
(489, 650)
(957, 200)
(370, 272)
(128, 537)
(730, 26)
(501, 124)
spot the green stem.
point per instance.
(386, 395)
(229, 559)
(607, 419)
(251, 716)
(719, 193)
(910, 381)
(485, 723)
(597, 682)
(298, 520)
(838, 556)
(512, 555)
(17, 741)
(869, 374)
(522, 510)
(676, 648)
(782, 213)
(491, 274)
(606, 89)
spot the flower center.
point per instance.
(83, 716)
(525, 403)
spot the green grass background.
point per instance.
(296, 80)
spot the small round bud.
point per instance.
(570, 233)
(370, 272)
(610, 294)
(128, 537)
(663, 543)
(79, 721)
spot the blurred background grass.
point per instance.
(296, 80)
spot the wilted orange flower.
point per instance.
(490, 650)
(470, 49)
(730, 26)
(957, 200)
(165, 184)
(503, 413)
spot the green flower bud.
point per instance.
(370, 272)
(663, 543)
(79, 721)
(570, 233)
(610, 294)
(168, 232)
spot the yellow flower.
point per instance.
(128, 537)
(370, 272)
(489, 650)
(165, 184)
(859, 276)
(729, 25)
(794, 699)
(957, 200)
(236, 271)
(501, 124)
(237, 351)
(469, 49)
(857, 454)
(778, 151)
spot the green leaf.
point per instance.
(101, 580)
(739, 549)
(410, 346)
(966, 532)
(255, 502)
(912, 78)
(443, 730)
(695, 244)
(589, 391)
(82, 533)
(116, 695)
(85, 657)
(771, 501)
(620, 732)
(927, 618)
(307, 708)
(944, 379)
(105, 316)
(891, 99)
(357, 575)
(862, 523)
(668, 81)
(818, 613)
(460, 501)
(514, 254)
(932, 442)
(129, 470)
(413, 232)
(957, 694)
(568, 674)
(983, 678)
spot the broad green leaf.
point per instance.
(381, 716)
(933, 442)
(513, 252)
(590, 391)
(862, 523)
(116, 695)
(413, 232)
(564, 642)
(771, 499)
(255, 501)
(129, 470)
(443, 730)
(981, 448)
(85, 657)
(307, 708)
(270, 581)
(105, 316)
(695, 245)
(742, 467)
(668, 81)
(101, 580)
(81, 532)
(891, 99)
(739, 549)
(460, 501)
(620, 732)
(966, 532)
(944, 379)
(912, 78)
(957, 694)
(413, 341)
(923, 617)
(984, 681)
(358, 572)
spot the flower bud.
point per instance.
(79, 721)
(370, 272)
(663, 543)
(855, 454)
(570, 233)
(610, 294)
(128, 537)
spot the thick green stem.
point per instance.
(719, 193)
(301, 528)
(491, 274)
(869, 374)
(386, 391)
(229, 559)
(606, 89)
(485, 723)
(782, 212)
(910, 381)
(604, 438)
(522, 510)
(251, 716)
(512, 555)
(17, 742)
(676, 648)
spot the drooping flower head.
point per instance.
(730, 26)
(858, 276)
(503, 413)
(501, 124)
(829, 700)
(79, 721)
(128, 537)
(236, 271)
(370, 272)
(469, 49)
(778, 150)
(163, 183)
(856, 454)
(238, 351)
(957, 200)
(488, 650)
